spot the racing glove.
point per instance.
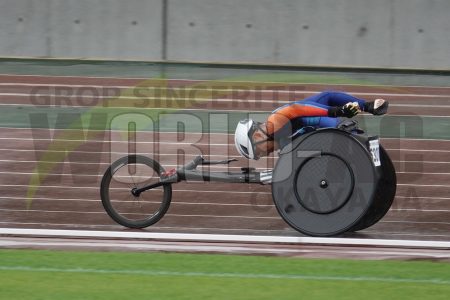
(349, 110)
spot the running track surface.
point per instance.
(68, 198)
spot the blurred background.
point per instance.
(84, 82)
(373, 33)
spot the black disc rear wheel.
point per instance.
(124, 175)
(384, 195)
(324, 183)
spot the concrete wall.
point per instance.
(114, 29)
(383, 33)
(23, 27)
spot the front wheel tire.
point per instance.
(125, 174)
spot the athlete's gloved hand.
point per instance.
(349, 110)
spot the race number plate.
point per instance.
(374, 146)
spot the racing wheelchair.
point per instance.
(324, 183)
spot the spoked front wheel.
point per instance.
(125, 175)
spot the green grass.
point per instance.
(199, 71)
(165, 119)
(305, 77)
(28, 274)
(67, 67)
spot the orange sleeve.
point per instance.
(285, 114)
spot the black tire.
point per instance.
(384, 195)
(119, 202)
(317, 189)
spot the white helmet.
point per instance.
(243, 138)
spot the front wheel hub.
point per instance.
(135, 192)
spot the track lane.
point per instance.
(402, 221)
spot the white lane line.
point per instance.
(223, 238)
(408, 105)
(111, 152)
(231, 111)
(165, 109)
(235, 248)
(53, 174)
(121, 154)
(422, 173)
(4, 199)
(155, 227)
(202, 203)
(242, 276)
(124, 176)
(225, 110)
(141, 214)
(211, 99)
(59, 225)
(190, 133)
(170, 143)
(207, 81)
(212, 229)
(102, 141)
(158, 247)
(423, 198)
(421, 161)
(167, 166)
(179, 106)
(51, 162)
(55, 211)
(206, 88)
(87, 187)
(83, 77)
(417, 222)
(417, 150)
(195, 215)
(137, 214)
(159, 143)
(197, 203)
(112, 141)
(415, 234)
(49, 199)
(421, 210)
(173, 202)
(187, 155)
(206, 101)
(213, 169)
(209, 155)
(215, 216)
(424, 185)
(181, 109)
(97, 188)
(214, 248)
(111, 130)
(210, 89)
(104, 163)
(21, 84)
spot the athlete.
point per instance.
(254, 139)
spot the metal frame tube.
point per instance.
(231, 177)
(189, 173)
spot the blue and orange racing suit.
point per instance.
(295, 118)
